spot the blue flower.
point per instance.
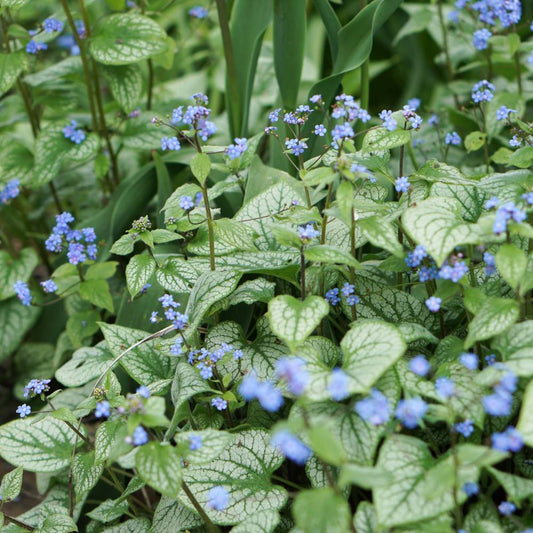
(414, 103)
(269, 397)
(498, 404)
(433, 120)
(491, 202)
(503, 112)
(23, 292)
(10, 191)
(415, 257)
(195, 442)
(143, 391)
(469, 360)
(35, 46)
(483, 91)
(481, 39)
(515, 141)
(419, 365)
(102, 409)
(402, 184)
(332, 296)
(51, 25)
(49, 286)
(307, 233)
(338, 384)
(23, 410)
(433, 304)
(410, 411)
(36, 387)
(139, 437)
(506, 508)
(73, 133)
(198, 12)
(296, 146)
(465, 428)
(320, 130)
(237, 354)
(186, 203)
(374, 408)
(218, 498)
(387, 121)
(292, 369)
(471, 488)
(452, 138)
(235, 151)
(490, 263)
(219, 403)
(291, 446)
(445, 388)
(171, 143)
(154, 317)
(508, 441)
(274, 115)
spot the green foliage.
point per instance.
(321, 326)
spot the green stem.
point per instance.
(150, 84)
(518, 67)
(302, 271)
(210, 526)
(210, 228)
(231, 76)
(18, 523)
(85, 63)
(352, 269)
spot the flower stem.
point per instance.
(302, 271)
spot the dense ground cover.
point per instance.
(266, 266)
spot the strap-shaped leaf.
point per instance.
(127, 38)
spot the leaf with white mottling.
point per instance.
(436, 223)
(11, 484)
(438, 172)
(58, 523)
(210, 288)
(380, 139)
(135, 525)
(187, 383)
(470, 198)
(365, 520)
(381, 233)
(144, 363)
(85, 473)
(294, 320)
(260, 522)
(11, 66)
(516, 487)
(138, 272)
(244, 469)
(16, 319)
(14, 269)
(259, 212)
(171, 516)
(495, 316)
(177, 275)
(43, 445)
(86, 364)
(516, 347)
(126, 84)
(322, 511)
(323, 253)
(407, 499)
(260, 355)
(525, 421)
(213, 443)
(370, 349)
(253, 291)
(127, 38)
(160, 466)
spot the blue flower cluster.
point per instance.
(347, 291)
(269, 397)
(35, 46)
(73, 133)
(35, 387)
(203, 359)
(195, 442)
(198, 12)
(483, 91)
(453, 269)
(10, 191)
(509, 440)
(195, 117)
(419, 365)
(410, 411)
(508, 212)
(234, 151)
(375, 408)
(69, 42)
(81, 244)
(52, 25)
(388, 121)
(219, 403)
(481, 39)
(500, 402)
(49, 286)
(179, 320)
(307, 233)
(23, 292)
(492, 12)
(138, 438)
(402, 184)
(414, 120)
(291, 446)
(218, 498)
(465, 428)
(452, 139)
